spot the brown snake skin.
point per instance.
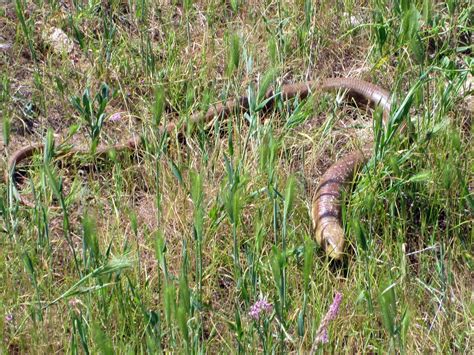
(326, 210)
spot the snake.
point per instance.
(326, 203)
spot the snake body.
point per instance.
(326, 210)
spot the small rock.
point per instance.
(58, 40)
(355, 20)
(5, 46)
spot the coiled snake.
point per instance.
(326, 210)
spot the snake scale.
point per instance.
(326, 205)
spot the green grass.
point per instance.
(166, 249)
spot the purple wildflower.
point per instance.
(322, 338)
(116, 117)
(334, 309)
(322, 333)
(261, 306)
(73, 302)
(9, 318)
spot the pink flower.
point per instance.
(73, 302)
(322, 333)
(9, 318)
(116, 117)
(334, 309)
(322, 338)
(260, 307)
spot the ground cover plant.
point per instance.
(201, 240)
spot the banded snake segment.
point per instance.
(326, 205)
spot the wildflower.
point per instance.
(9, 318)
(261, 306)
(74, 303)
(322, 338)
(322, 333)
(117, 116)
(334, 309)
